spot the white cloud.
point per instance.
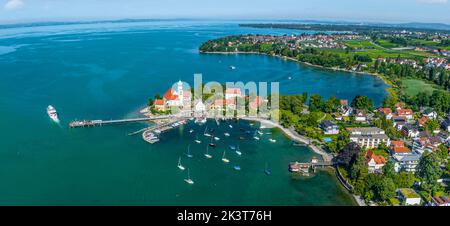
(433, 1)
(14, 4)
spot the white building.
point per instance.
(368, 137)
(408, 197)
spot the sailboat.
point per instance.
(238, 168)
(188, 179)
(216, 138)
(197, 140)
(238, 151)
(212, 144)
(190, 131)
(225, 160)
(188, 154)
(230, 126)
(205, 133)
(181, 167)
(272, 140)
(207, 155)
(266, 170)
(226, 134)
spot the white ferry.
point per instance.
(51, 111)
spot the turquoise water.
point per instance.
(104, 71)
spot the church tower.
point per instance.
(180, 92)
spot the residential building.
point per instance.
(440, 201)
(233, 93)
(446, 124)
(409, 130)
(408, 197)
(398, 147)
(430, 113)
(375, 162)
(329, 127)
(386, 112)
(407, 113)
(368, 137)
(360, 116)
(406, 162)
(422, 121)
(159, 105)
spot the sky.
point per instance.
(436, 11)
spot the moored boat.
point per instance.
(51, 111)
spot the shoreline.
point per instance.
(380, 76)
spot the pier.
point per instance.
(88, 123)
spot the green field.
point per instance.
(414, 86)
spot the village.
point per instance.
(411, 135)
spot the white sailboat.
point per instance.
(190, 131)
(181, 167)
(230, 126)
(272, 140)
(205, 133)
(197, 140)
(188, 154)
(188, 179)
(216, 138)
(225, 160)
(226, 134)
(238, 152)
(207, 155)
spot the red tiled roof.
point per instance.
(398, 150)
(385, 111)
(169, 95)
(256, 102)
(344, 103)
(397, 143)
(221, 102)
(378, 159)
(423, 120)
(158, 102)
(233, 91)
(404, 112)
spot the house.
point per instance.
(386, 112)
(374, 162)
(159, 105)
(430, 113)
(408, 197)
(368, 137)
(409, 130)
(399, 122)
(406, 162)
(444, 136)
(345, 109)
(222, 104)
(360, 116)
(398, 147)
(199, 107)
(422, 121)
(446, 124)
(329, 127)
(231, 93)
(440, 201)
(407, 113)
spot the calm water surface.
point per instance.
(105, 71)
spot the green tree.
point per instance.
(362, 102)
(315, 103)
(388, 169)
(429, 171)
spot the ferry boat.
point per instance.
(51, 111)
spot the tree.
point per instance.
(385, 189)
(405, 180)
(349, 154)
(431, 125)
(388, 169)
(362, 102)
(315, 103)
(429, 172)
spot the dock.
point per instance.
(98, 122)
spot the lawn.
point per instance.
(414, 86)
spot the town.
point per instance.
(390, 155)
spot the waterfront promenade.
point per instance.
(327, 157)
